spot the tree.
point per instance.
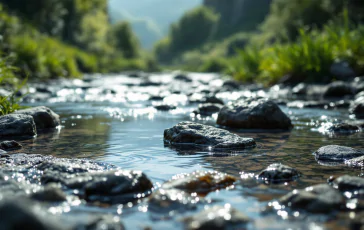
(125, 40)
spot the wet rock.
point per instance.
(342, 104)
(182, 77)
(339, 89)
(190, 133)
(231, 84)
(357, 107)
(337, 153)
(316, 199)
(342, 71)
(164, 201)
(217, 217)
(20, 214)
(17, 125)
(119, 186)
(357, 162)
(44, 117)
(101, 223)
(156, 98)
(165, 107)
(150, 83)
(307, 104)
(254, 114)
(50, 193)
(278, 173)
(349, 183)
(200, 182)
(10, 145)
(208, 109)
(214, 100)
(300, 89)
(343, 128)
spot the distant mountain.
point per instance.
(150, 19)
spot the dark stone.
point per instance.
(214, 100)
(357, 107)
(349, 183)
(190, 133)
(10, 145)
(342, 104)
(254, 114)
(200, 182)
(231, 84)
(44, 117)
(342, 71)
(17, 125)
(165, 107)
(320, 198)
(19, 214)
(150, 83)
(343, 128)
(217, 217)
(300, 89)
(50, 193)
(208, 109)
(278, 173)
(338, 89)
(156, 98)
(182, 77)
(357, 162)
(337, 153)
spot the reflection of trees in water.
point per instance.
(84, 137)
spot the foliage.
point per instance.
(125, 40)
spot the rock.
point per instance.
(357, 107)
(308, 104)
(44, 117)
(101, 223)
(357, 162)
(147, 83)
(217, 217)
(231, 84)
(349, 183)
(165, 107)
(114, 187)
(19, 214)
(337, 153)
(342, 71)
(190, 133)
(338, 89)
(214, 100)
(300, 89)
(320, 198)
(50, 193)
(182, 77)
(254, 114)
(10, 145)
(342, 104)
(343, 128)
(208, 109)
(278, 173)
(200, 182)
(17, 125)
(165, 201)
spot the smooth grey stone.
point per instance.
(278, 173)
(44, 117)
(17, 125)
(337, 153)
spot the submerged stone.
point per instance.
(357, 107)
(320, 198)
(349, 183)
(17, 125)
(200, 182)
(10, 145)
(50, 193)
(217, 217)
(278, 173)
(165, 107)
(44, 117)
(166, 200)
(339, 89)
(182, 77)
(357, 162)
(213, 100)
(254, 114)
(343, 128)
(337, 153)
(190, 133)
(208, 109)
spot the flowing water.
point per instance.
(111, 119)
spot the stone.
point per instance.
(208, 109)
(194, 134)
(20, 214)
(357, 162)
(214, 100)
(278, 173)
(254, 114)
(10, 145)
(217, 217)
(231, 84)
(44, 117)
(349, 183)
(342, 71)
(357, 107)
(182, 77)
(50, 193)
(339, 89)
(200, 182)
(337, 153)
(167, 200)
(320, 198)
(300, 89)
(343, 128)
(17, 125)
(165, 107)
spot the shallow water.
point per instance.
(123, 129)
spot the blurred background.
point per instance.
(253, 41)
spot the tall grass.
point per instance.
(309, 58)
